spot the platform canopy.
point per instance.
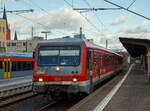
(135, 46)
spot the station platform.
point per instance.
(13, 82)
(15, 74)
(133, 94)
(12, 86)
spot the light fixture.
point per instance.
(40, 79)
(74, 79)
(57, 68)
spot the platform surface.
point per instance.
(13, 82)
(133, 95)
(15, 74)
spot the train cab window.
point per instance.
(63, 56)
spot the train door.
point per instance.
(90, 68)
(7, 68)
(98, 64)
(95, 62)
(101, 63)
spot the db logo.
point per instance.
(57, 79)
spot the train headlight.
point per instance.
(74, 79)
(57, 68)
(40, 79)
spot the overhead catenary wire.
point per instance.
(35, 4)
(94, 13)
(127, 10)
(42, 9)
(131, 4)
(89, 21)
(32, 21)
(32, 3)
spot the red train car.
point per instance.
(15, 64)
(72, 65)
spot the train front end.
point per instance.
(60, 67)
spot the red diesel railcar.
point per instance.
(72, 65)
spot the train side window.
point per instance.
(14, 66)
(95, 60)
(101, 60)
(104, 60)
(33, 54)
(1, 65)
(5, 63)
(89, 61)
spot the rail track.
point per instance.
(15, 98)
(15, 89)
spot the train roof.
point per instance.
(62, 41)
(92, 45)
(73, 41)
(16, 54)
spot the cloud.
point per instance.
(140, 31)
(65, 18)
(113, 41)
(134, 30)
(119, 20)
(2, 1)
(146, 23)
(61, 19)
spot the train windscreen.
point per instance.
(59, 56)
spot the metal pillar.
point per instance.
(148, 65)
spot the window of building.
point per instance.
(3, 44)
(19, 44)
(13, 44)
(8, 44)
(3, 30)
(24, 44)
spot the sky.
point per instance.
(58, 17)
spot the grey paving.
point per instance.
(134, 94)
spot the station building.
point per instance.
(4, 31)
(3, 39)
(23, 45)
